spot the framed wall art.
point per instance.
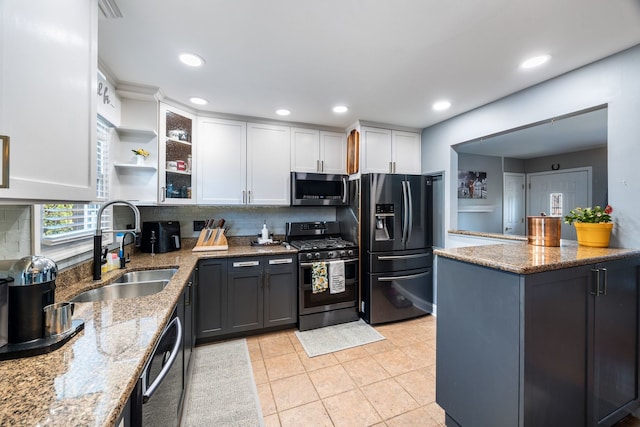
(472, 185)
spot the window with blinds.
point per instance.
(64, 223)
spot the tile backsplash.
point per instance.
(15, 231)
(243, 221)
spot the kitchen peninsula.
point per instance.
(88, 381)
(531, 335)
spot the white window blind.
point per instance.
(64, 223)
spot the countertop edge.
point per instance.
(530, 259)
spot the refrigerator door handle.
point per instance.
(405, 216)
(404, 213)
(409, 212)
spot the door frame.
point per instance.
(525, 194)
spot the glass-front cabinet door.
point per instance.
(176, 151)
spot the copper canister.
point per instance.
(544, 230)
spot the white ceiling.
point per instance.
(388, 60)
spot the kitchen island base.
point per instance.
(554, 348)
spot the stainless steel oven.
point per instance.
(320, 247)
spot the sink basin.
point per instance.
(146, 275)
(130, 285)
(121, 290)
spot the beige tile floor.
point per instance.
(387, 383)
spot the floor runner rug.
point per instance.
(222, 390)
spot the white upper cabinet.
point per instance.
(406, 152)
(48, 98)
(333, 152)
(376, 150)
(268, 164)
(390, 151)
(318, 151)
(242, 163)
(222, 161)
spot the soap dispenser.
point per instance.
(265, 231)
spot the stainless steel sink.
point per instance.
(130, 285)
(146, 275)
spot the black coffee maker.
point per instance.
(33, 288)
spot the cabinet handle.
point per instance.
(318, 167)
(249, 197)
(605, 280)
(266, 279)
(187, 301)
(321, 165)
(281, 261)
(390, 167)
(246, 264)
(244, 199)
(595, 272)
(163, 193)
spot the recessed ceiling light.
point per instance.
(198, 101)
(340, 109)
(191, 59)
(283, 112)
(535, 61)
(441, 105)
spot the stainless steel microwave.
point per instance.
(318, 189)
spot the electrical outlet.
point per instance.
(198, 225)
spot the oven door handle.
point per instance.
(410, 276)
(310, 264)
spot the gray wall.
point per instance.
(482, 214)
(612, 81)
(491, 222)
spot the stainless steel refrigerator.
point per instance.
(396, 246)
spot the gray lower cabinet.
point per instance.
(558, 348)
(244, 294)
(211, 298)
(262, 292)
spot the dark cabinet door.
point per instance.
(245, 293)
(615, 340)
(189, 317)
(211, 298)
(555, 347)
(280, 302)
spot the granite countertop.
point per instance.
(522, 258)
(89, 379)
(489, 235)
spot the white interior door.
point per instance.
(513, 205)
(559, 191)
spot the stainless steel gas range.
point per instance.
(328, 288)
